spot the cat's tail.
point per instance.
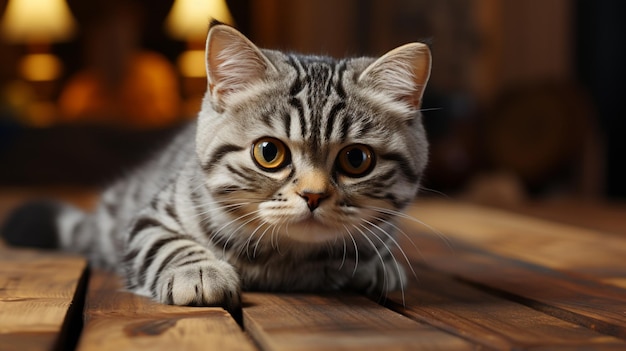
(34, 225)
(48, 224)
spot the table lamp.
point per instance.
(37, 24)
(189, 20)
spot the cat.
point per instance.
(290, 179)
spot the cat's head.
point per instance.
(311, 148)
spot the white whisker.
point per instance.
(256, 245)
(343, 258)
(413, 219)
(399, 230)
(356, 250)
(227, 209)
(380, 257)
(431, 109)
(232, 233)
(249, 240)
(393, 257)
(390, 237)
(433, 191)
(236, 232)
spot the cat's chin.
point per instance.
(311, 230)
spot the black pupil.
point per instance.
(270, 151)
(356, 158)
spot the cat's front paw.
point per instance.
(205, 283)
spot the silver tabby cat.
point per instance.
(289, 181)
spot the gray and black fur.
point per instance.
(290, 180)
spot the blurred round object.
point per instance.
(146, 97)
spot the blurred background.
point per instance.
(524, 100)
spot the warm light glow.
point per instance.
(189, 19)
(37, 21)
(40, 67)
(191, 64)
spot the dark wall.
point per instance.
(601, 54)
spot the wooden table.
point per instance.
(484, 279)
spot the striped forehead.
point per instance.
(316, 96)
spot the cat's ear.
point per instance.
(401, 73)
(233, 62)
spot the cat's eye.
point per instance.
(356, 160)
(270, 154)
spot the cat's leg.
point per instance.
(174, 268)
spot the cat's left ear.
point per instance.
(401, 73)
(233, 62)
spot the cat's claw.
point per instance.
(206, 283)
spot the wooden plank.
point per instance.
(37, 290)
(489, 319)
(598, 255)
(117, 320)
(586, 302)
(337, 322)
(609, 217)
(521, 258)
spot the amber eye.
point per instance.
(356, 160)
(270, 154)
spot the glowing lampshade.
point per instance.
(37, 21)
(189, 19)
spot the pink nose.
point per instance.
(313, 199)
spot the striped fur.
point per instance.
(202, 220)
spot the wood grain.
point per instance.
(560, 270)
(337, 322)
(559, 246)
(37, 290)
(491, 320)
(116, 320)
(592, 214)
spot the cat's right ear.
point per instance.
(233, 62)
(401, 74)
